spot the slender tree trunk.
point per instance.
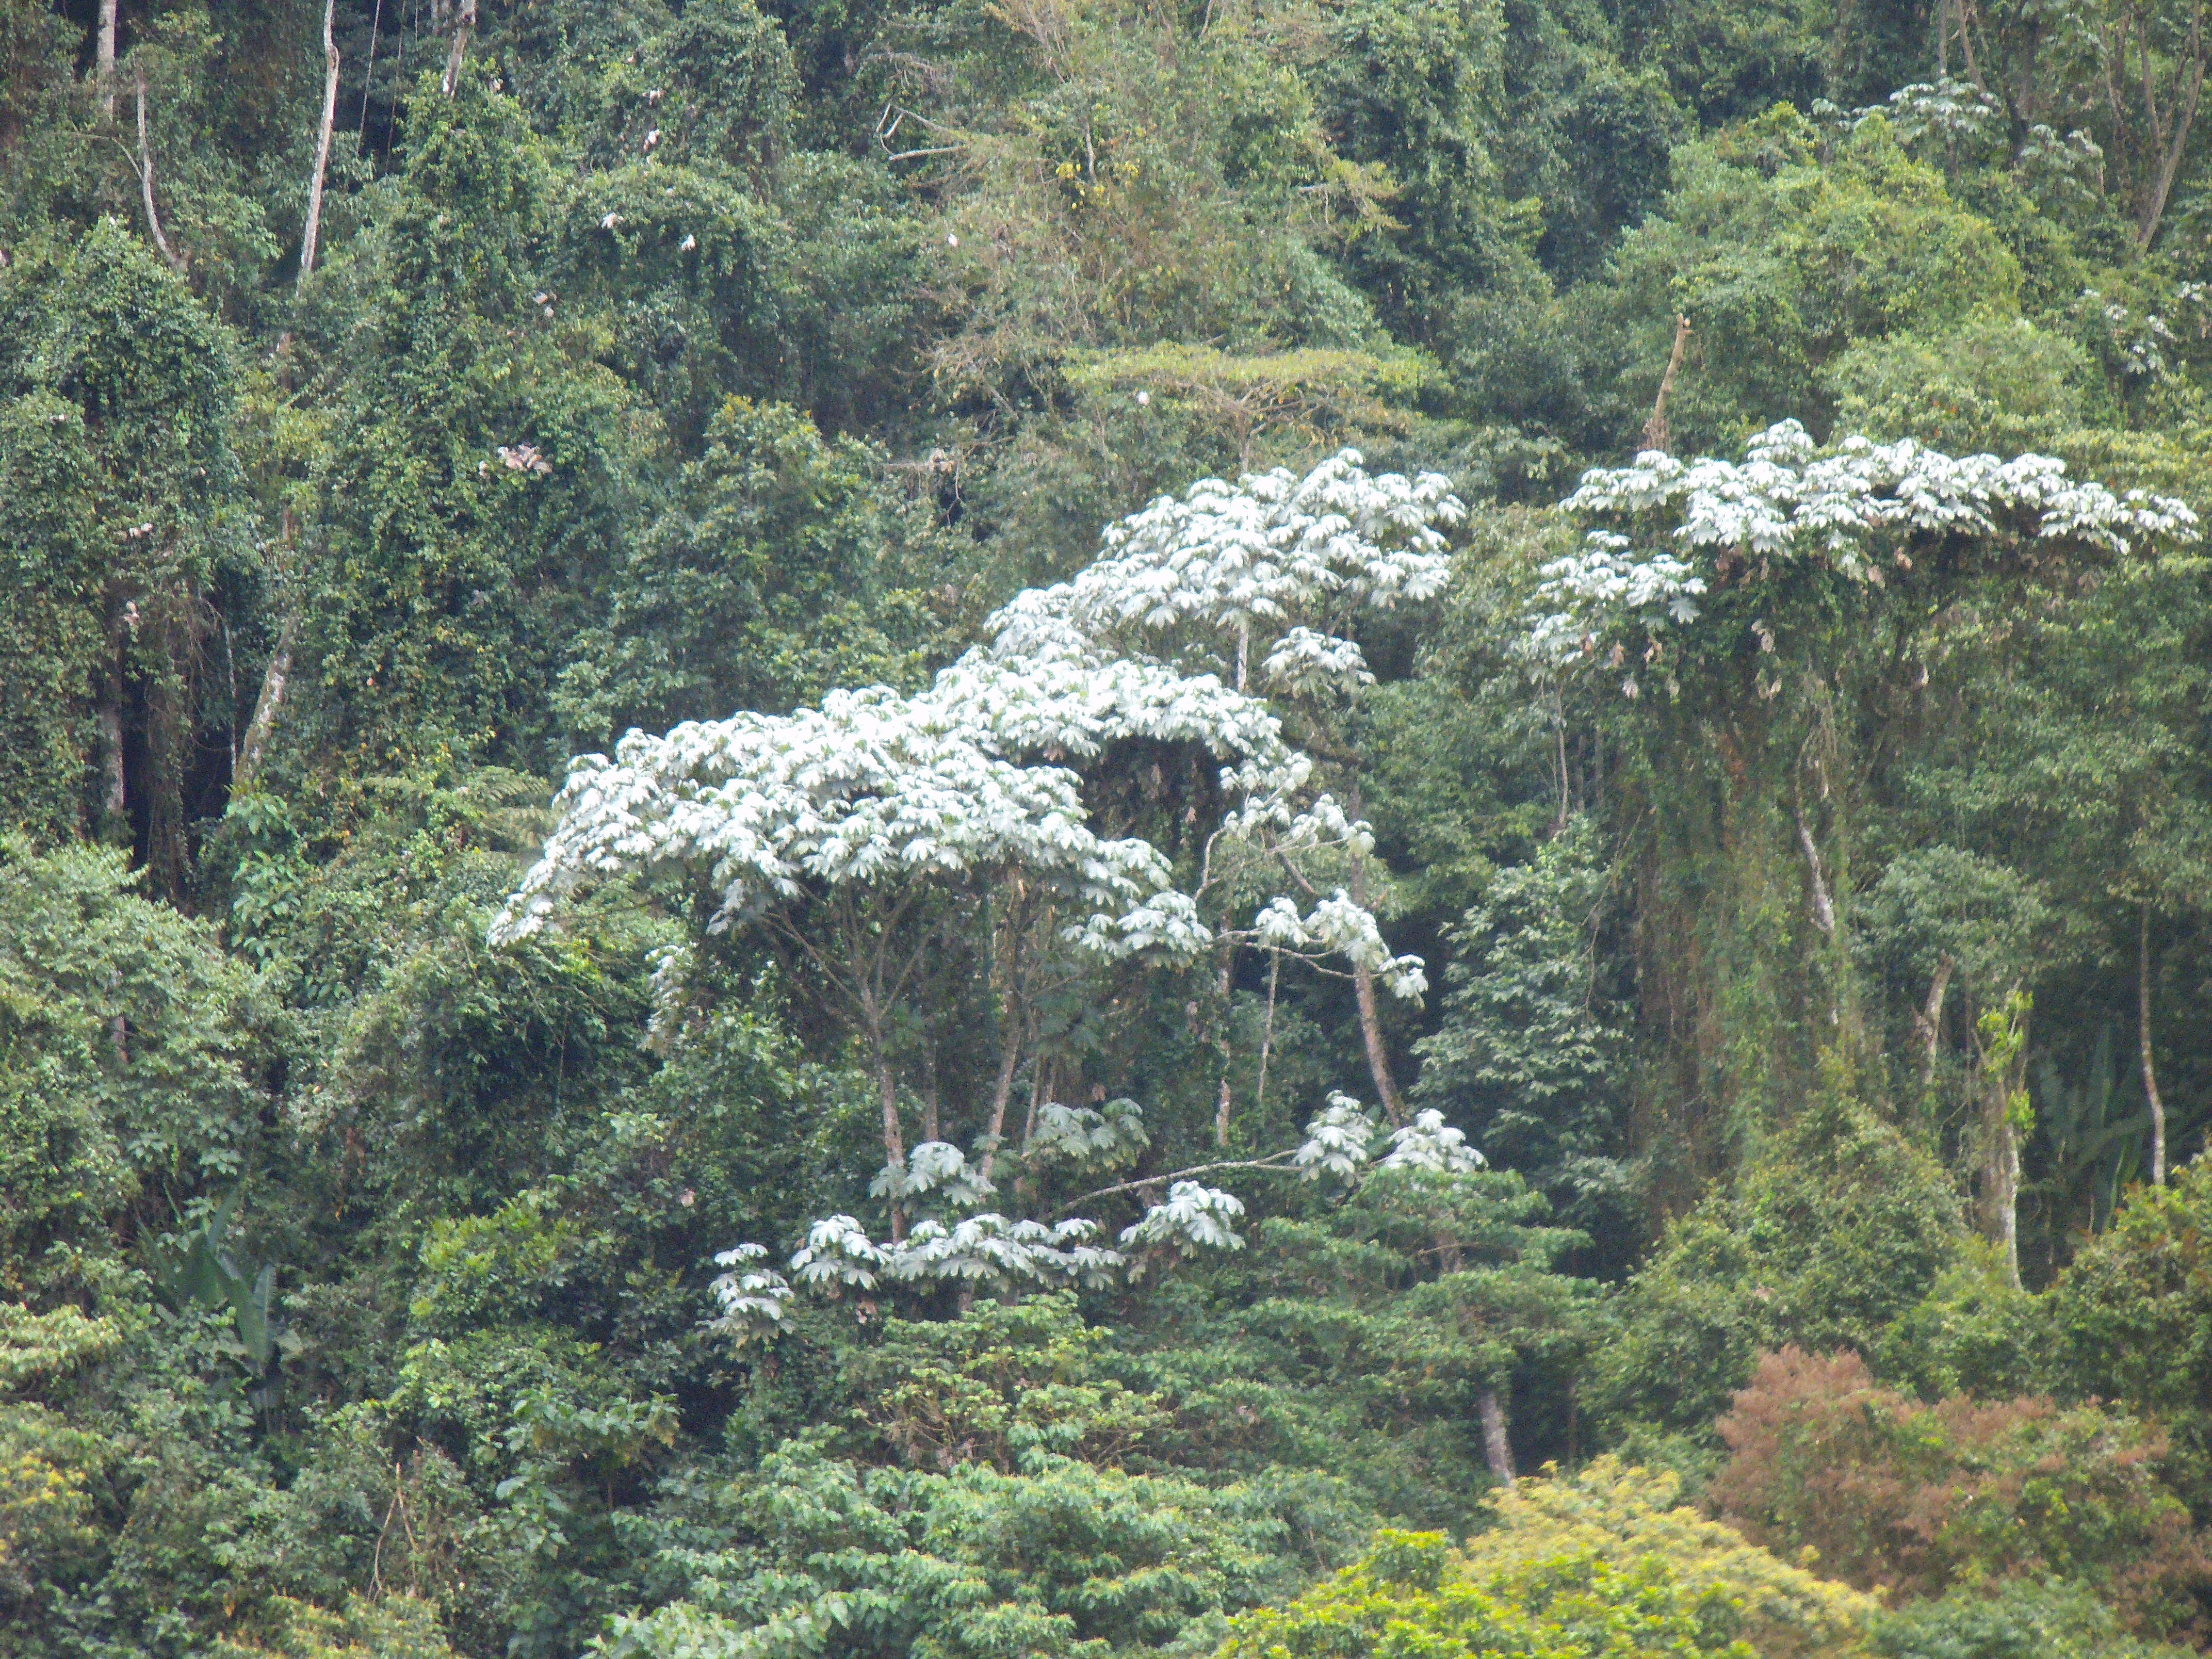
(2006, 1169)
(1930, 1020)
(1497, 1449)
(1656, 435)
(146, 182)
(465, 26)
(104, 60)
(1002, 1095)
(1370, 1018)
(894, 1136)
(266, 707)
(1823, 908)
(2188, 87)
(322, 144)
(2142, 1038)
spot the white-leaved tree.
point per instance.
(1824, 581)
(1262, 583)
(1676, 533)
(862, 836)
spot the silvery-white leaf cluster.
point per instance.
(874, 787)
(935, 1170)
(1853, 508)
(1230, 565)
(1087, 1137)
(986, 1248)
(1430, 1144)
(1194, 1218)
(752, 1296)
(1336, 926)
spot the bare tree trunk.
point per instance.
(894, 1136)
(1370, 1018)
(115, 798)
(322, 144)
(263, 726)
(1824, 909)
(104, 60)
(1656, 435)
(1002, 1094)
(2142, 1036)
(2189, 74)
(146, 182)
(2005, 1170)
(2003, 1067)
(1929, 1023)
(465, 26)
(1497, 1449)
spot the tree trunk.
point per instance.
(322, 144)
(2142, 1039)
(1370, 1018)
(2188, 87)
(146, 182)
(1929, 1021)
(1656, 435)
(1002, 1094)
(465, 26)
(263, 726)
(2005, 1170)
(104, 60)
(1497, 1449)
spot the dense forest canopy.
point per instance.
(1044, 828)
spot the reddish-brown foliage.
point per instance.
(1914, 1499)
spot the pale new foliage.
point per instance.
(1336, 926)
(935, 1168)
(875, 788)
(838, 1251)
(1853, 509)
(1193, 1218)
(987, 1247)
(752, 1296)
(1230, 562)
(1429, 1144)
(990, 1248)
(1085, 1136)
(1336, 1142)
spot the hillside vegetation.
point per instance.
(1060, 828)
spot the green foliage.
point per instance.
(709, 357)
(2132, 1318)
(2017, 1620)
(1603, 1565)
(1840, 1228)
(1531, 1054)
(131, 1057)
